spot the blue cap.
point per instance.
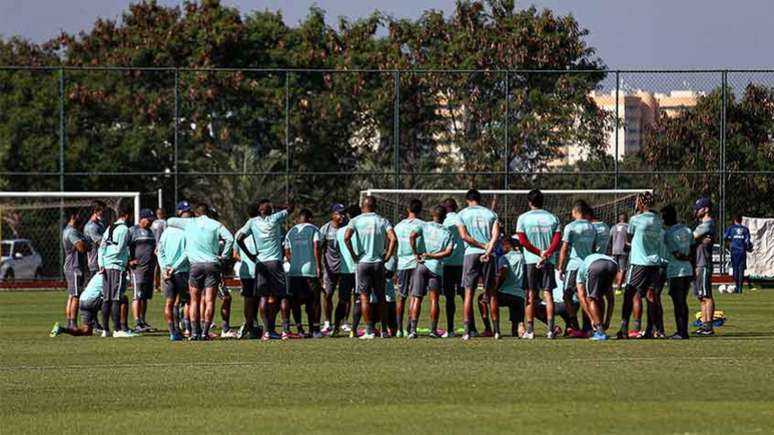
(147, 213)
(338, 208)
(702, 203)
(183, 206)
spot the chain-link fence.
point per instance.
(315, 137)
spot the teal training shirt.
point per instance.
(437, 239)
(246, 265)
(603, 236)
(202, 238)
(300, 241)
(172, 250)
(93, 289)
(267, 235)
(581, 236)
(539, 226)
(348, 264)
(114, 249)
(514, 262)
(648, 237)
(678, 238)
(458, 254)
(478, 222)
(583, 270)
(406, 258)
(371, 230)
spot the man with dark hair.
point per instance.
(619, 249)
(738, 237)
(142, 262)
(540, 234)
(175, 272)
(452, 269)
(266, 229)
(603, 234)
(246, 274)
(371, 232)
(331, 262)
(594, 280)
(407, 260)
(646, 236)
(75, 246)
(302, 251)
(479, 229)
(579, 241)
(206, 256)
(436, 247)
(678, 239)
(113, 260)
(704, 238)
(93, 231)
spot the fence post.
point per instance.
(61, 161)
(507, 148)
(287, 137)
(177, 134)
(722, 156)
(396, 135)
(617, 127)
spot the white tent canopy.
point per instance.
(760, 262)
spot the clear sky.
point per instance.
(627, 34)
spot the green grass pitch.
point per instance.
(719, 384)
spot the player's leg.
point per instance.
(405, 278)
(226, 300)
(628, 304)
(379, 288)
(250, 308)
(471, 272)
(419, 283)
(548, 284)
(365, 286)
(346, 286)
(74, 284)
(452, 284)
(435, 311)
(703, 290)
(170, 295)
(330, 282)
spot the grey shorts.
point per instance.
(302, 287)
(89, 310)
(643, 278)
(702, 285)
(679, 286)
(75, 281)
(270, 279)
(248, 287)
(370, 278)
(541, 278)
(204, 276)
(176, 285)
(114, 285)
(405, 281)
(144, 273)
(623, 261)
(452, 281)
(143, 291)
(474, 269)
(601, 276)
(570, 286)
(425, 280)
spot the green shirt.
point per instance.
(437, 239)
(581, 236)
(678, 238)
(603, 236)
(300, 241)
(202, 238)
(114, 249)
(267, 235)
(348, 264)
(514, 265)
(583, 270)
(539, 226)
(371, 230)
(406, 258)
(458, 254)
(648, 236)
(246, 265)
(479, 222)
(172, 250)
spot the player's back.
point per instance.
(458, 254)
(648, 237)
(618, 238)
(678, 238)
(406, 258)
(514, 279)
(478, 222)
(300, 241)
(436, 238)
(581, 236)
(202, 239)
(371, 230)
(172, 248)
(603, 236)
(267, 234)
(348, 264)
(539, 226)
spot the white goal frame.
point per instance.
(64, 195)
(364, 193)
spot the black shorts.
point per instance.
(248, 287)
(114, 285)
(543, 278)
(570, 285)
(452, 281)
(405, 281)
(425, 280)
(176, 285)
(622, 260)
(270, 279)
(474, 269)
(143, 274)
(204, 276)
(643, 278)
(143, 291)
(370, 278)
(75, 281)
(601, 275)
(515, 305)
(302, 287)
(679, 286)
(702, 285)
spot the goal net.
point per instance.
(509, 204)
(31, 225)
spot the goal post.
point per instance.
(31, 225)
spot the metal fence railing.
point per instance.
(229, 136)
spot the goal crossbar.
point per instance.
(134, 195)
(505, 192)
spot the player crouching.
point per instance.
(594, 282)
(90, 307)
